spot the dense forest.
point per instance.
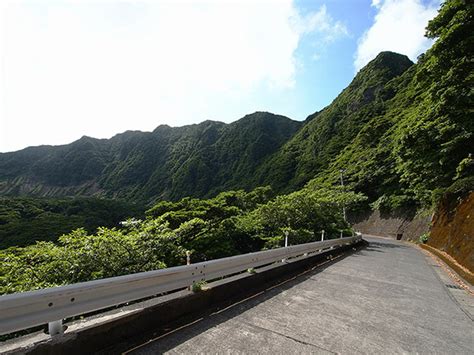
(26, 220)
(401, 133)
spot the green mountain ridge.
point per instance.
(201, 160)
(327, 132)
(168, 163)
(401, 132)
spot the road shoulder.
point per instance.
(459, 290)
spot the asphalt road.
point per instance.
(387, 298)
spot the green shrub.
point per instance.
(198, 286)
(423, 238)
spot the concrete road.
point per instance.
(384, 299)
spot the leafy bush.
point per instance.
(198, 286)
(424, 238)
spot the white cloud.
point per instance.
(376, 3)
(321, 22)
(70, 68)
(399, 26)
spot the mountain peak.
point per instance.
(395, 62)
(378, 72)
(263, 116)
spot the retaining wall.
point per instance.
(402, 225)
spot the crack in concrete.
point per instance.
(288, 337)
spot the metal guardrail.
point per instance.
(28, 309)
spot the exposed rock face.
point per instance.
(453, 230)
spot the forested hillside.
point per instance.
(401, 133)
(328, 132)
(168, 163)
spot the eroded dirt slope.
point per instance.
(452, 230)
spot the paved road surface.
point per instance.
(386, 298)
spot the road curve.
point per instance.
(385, 298)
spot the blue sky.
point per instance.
(97, 68)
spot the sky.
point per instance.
(98, 68)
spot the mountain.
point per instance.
(420, 144)
(168, 163)
(328, 132)
(401, 133)
(203, 159)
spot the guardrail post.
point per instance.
(286, 243)
(341, 234)
(55, 327)
(188, 262)
(322, 235)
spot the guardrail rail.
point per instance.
(28, 309)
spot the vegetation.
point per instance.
(170, 163)
(325, 134)
(234, 222)
(198, 286)
(24, 221)
(424, 238)
(418, 139)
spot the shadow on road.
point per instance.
(383, 246)
(165, 339)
